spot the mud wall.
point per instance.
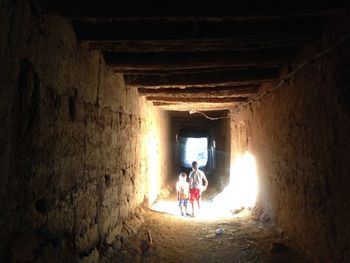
(74, 142)
(299, 135)
(221, 135)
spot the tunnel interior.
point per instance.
(101, 104)
(205, 138)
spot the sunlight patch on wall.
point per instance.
(153, 170)
(242, 188)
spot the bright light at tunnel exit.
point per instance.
(196, 149)
(242, 188)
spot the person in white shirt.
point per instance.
(182, 190)
(197, 177)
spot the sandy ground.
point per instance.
(168, 237)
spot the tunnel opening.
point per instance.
(193, 148)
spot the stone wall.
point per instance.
(299, 135)
(74, 140)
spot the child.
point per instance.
(196, 186)
(182, 189)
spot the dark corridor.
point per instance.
(98, 99)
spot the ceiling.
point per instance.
(186, 57)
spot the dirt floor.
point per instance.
(167, 237)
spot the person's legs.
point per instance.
(181, 205)
(198, 206)
(199, 201)
(192, 199)
(182, 210)
(186, 206)
(195, 207)
(197, 197)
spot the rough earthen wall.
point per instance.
(222, 147)
(299, 136)
(74, 141)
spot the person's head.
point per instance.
(194, 165)
(182, 176)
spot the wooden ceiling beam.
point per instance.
(202, 92)
(193, 106)
(200, 45)
(109, 8)
(127, 61)
(180, 28)
(219, 78)
(196, 99)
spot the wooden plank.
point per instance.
(219, 8)
(146, 62)
(197, 100)
(200, 45)
(193, 106)
(219, 78)
(180, 28)
(202, 92)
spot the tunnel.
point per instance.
(105, 103)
